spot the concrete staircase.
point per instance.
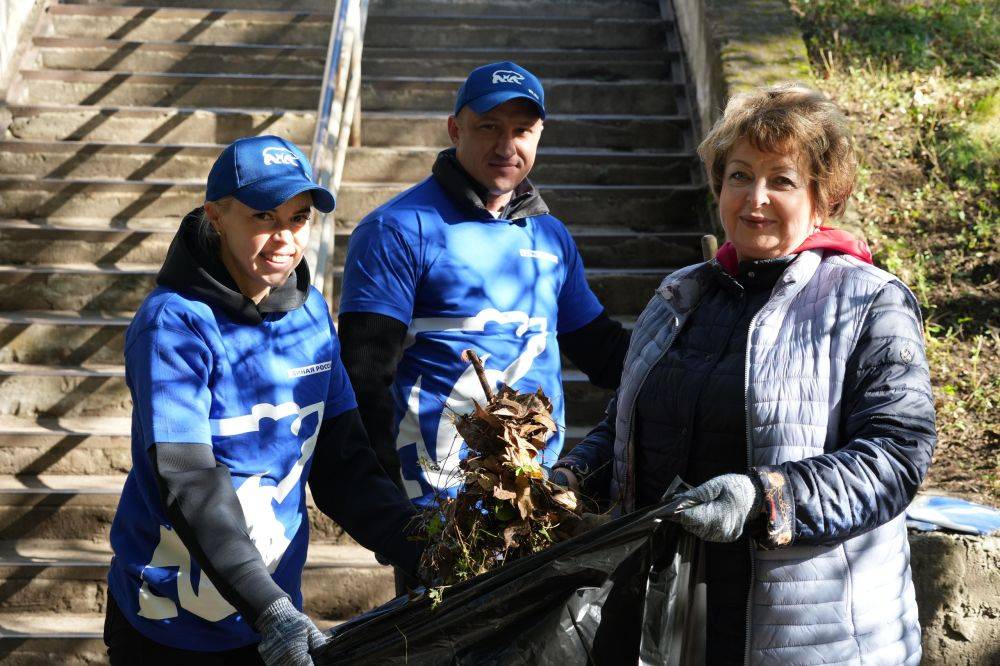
(109, 129)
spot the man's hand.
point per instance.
(725, 503)
(287, 636)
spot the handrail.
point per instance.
(338, 104)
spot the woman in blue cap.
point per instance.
(239, 397)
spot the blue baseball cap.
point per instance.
(264, 172)
(491, 85)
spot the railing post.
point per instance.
(337, 124)
(356, 125)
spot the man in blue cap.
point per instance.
(239, 397)
(468, 258)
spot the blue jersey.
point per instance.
(257, 395)
(503, 288)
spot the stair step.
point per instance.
(85, 88)
(79, 53)
(56, 339)
(512, 32)
(102, 446)
(42, 122)
(54, 487)
(70, 576)
(103, 160)
(609, 249)
(191, 26)
(55, 198)
(62, 339)
(609, 132)
(61, 391)
(65, 446)
(31, 391)
(74, 506)
(98, 288)
(552, 165)
(119, 55)
(565, 96)
(166, 162)
(27, 243)
(54, 626)
(648, 207)
(589, 64)
(623, 8)
(127, 125)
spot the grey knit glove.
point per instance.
(286, 635)
(725, 503)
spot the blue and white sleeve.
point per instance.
(381, 272)
(168, 373)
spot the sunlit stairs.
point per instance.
(108, 131)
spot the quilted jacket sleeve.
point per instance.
(593, 458)
(888, 434)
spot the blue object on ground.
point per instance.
(934, 512)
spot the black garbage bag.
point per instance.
(582, 601)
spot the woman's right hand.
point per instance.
(287, 636)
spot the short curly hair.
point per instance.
(788, 118)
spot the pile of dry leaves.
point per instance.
(505, 509)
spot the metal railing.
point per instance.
(335, 118)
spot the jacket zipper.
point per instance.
(746, 405)
(631, 418)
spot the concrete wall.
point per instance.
(733, 45)
(958, 592)
(15, 20)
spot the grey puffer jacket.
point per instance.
(831, 581)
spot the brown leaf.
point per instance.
(510, 536)
(566, 499)
(539, 444)
(487, 480)
(516, 409)
(525, 504)
(491, 463)
(545, 420)
(502, 494)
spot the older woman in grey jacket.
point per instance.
(787, 379)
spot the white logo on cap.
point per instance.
(278, 155)
(507, 76)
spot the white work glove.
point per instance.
(287, 636)
(724, 505)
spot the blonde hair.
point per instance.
(788, 118)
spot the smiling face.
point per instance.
(497, 148)
(260, 249)
(766, 202)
